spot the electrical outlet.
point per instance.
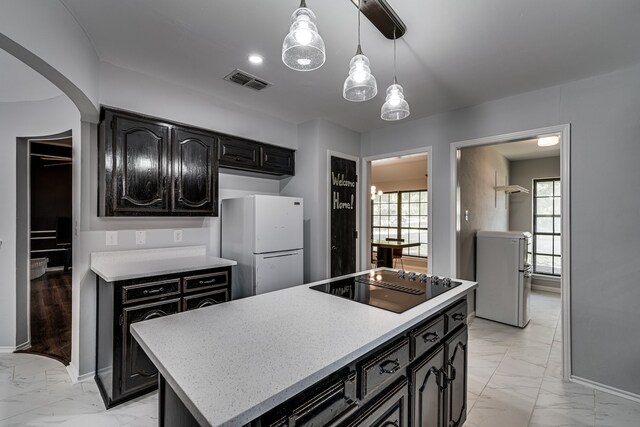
(112, 238)
(141, 237)
(177, 235)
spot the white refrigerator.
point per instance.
(503, 274)
(264, 234)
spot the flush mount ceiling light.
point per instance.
(548, 141)
(255, 59)
(395, 106)
(360, 84)
(303, 48)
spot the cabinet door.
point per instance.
(195, 172)
(238, 153)
(389, 410)
(427, 396)
(140, 167)
(456, 369)
(137, 370)
(277, 160)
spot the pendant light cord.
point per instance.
(359, 1)
(395, 80)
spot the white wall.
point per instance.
(605, 148)
(480, 209)
(22, 119)
(64, 52)
(315, 138)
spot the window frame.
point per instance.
(555, 272)
(399, 227)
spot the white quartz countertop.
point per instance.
(123, 265)
(233, 362)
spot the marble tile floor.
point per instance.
(515, 379)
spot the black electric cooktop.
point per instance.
(389, 290)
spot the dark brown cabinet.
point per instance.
(123, 370)
(389, 410)
(149, 167)
(195, 172)
(427, 401)
(139, 166)
(252, 156)
(277, 160)
(456, 369)
(238, 153)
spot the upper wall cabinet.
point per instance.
(148, 167)
(252, 156)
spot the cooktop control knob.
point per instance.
(435, 280)
(424, 278)
(412, 275)
(401, 274)
(446, 282)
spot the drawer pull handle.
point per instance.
(430, 337)
(206, 282)
(395, 365)
(458, 316)
(153, 291)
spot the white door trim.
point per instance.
(328, 200)
(365, 242)
(565, 177)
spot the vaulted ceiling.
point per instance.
(454, 54)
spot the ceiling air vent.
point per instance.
(247, 80)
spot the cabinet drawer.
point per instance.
(277, 160)
(456, 315)
(327, 405)
(426, 337)
(382, 368)
(389, 410)
(238, 153)
(193, 302)
(204, 281)
(150, 290)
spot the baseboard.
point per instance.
(7, 349)
(24, 346)
(546, 289)
(607, 389)
(72, 370)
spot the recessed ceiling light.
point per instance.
(255, 59)
(548, 141)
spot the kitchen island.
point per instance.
(299, 356)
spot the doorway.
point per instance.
(398, 214)
(49, 198)
(511, 182)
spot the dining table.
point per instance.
(384, 256)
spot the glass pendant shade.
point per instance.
(395, 106)
(360, 84)
(303, 48)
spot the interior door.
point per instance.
(342, 199)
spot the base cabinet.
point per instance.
(418, 378)
(456, 369)
(123, 370)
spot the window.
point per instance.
(403, 215)
(546, 226)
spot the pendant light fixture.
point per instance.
(395, 106)
(303, 48)
(360, 84)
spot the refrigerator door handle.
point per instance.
(282, 255)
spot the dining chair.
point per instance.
(397, 252)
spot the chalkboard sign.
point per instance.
(342, 200)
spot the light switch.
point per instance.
(112, 238)
(177, 235)
(141, 237)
